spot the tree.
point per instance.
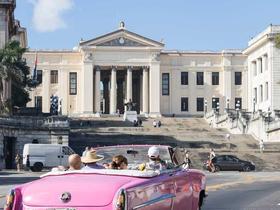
(277, 41)
(14, 70)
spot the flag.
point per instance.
(34, 74)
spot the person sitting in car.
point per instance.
(119, 162)
(91, 159)
(155, 163)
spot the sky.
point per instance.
(181, 24)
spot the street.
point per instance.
(226, 190)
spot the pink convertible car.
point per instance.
(172, 188)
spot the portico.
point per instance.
(116, 85)
(118, 67)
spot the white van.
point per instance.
(46, 155)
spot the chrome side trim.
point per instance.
(155, 200)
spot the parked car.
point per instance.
(108, 189)
(45, 155)
(232, 163)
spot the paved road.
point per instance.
(243, 191)
(226, 190)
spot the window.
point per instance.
(266, 91)
(215, 78)
(261, 93)
(215, 102)
(67, 151)
(265, 58)
(199, 78)
(73, 83)
(200, 104)
(165, 84)
(39, 76)
(254, 67)
(38, 102)
(238, 78)
(184, 78)
(238, 103)
(54, 76)
(256, 95)
(184, 104)
(260, 65)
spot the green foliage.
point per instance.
(14, 69)
(277, 41)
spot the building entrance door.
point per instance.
(9, 152)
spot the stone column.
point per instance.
(46, 92)
(63, 76)
(87, 88)
(129, 84)
(145, 93)
(113, 91)
(154, 93)
(97, 89)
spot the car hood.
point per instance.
(85, 189)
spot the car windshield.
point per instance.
(135, 154)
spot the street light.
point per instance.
(237, 105)
(218, 107)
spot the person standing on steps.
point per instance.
(261, 146)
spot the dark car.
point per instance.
(232, 163)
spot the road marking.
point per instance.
(247, 179)
(278, 204)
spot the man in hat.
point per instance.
(155, 163)
(91, 159)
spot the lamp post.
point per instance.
(254, 105)
(237, 109)
(218, 107)
(205, 106)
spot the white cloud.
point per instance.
(47, 14)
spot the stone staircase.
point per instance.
(191, 133)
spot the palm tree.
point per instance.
(14, 75)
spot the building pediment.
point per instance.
(121, 38)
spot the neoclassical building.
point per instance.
(103, 73)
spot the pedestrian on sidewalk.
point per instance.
(212, 155)
(18, 161)
(261, 146)
(227, 137)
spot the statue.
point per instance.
(130, 105)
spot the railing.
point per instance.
(35, 122)
(8, 2)
(209, 114)
(221, 118)
(272, 126)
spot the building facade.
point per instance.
(100, 75)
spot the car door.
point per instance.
(232, 163)
(158, 194)
(183, 190)
(221, 162)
